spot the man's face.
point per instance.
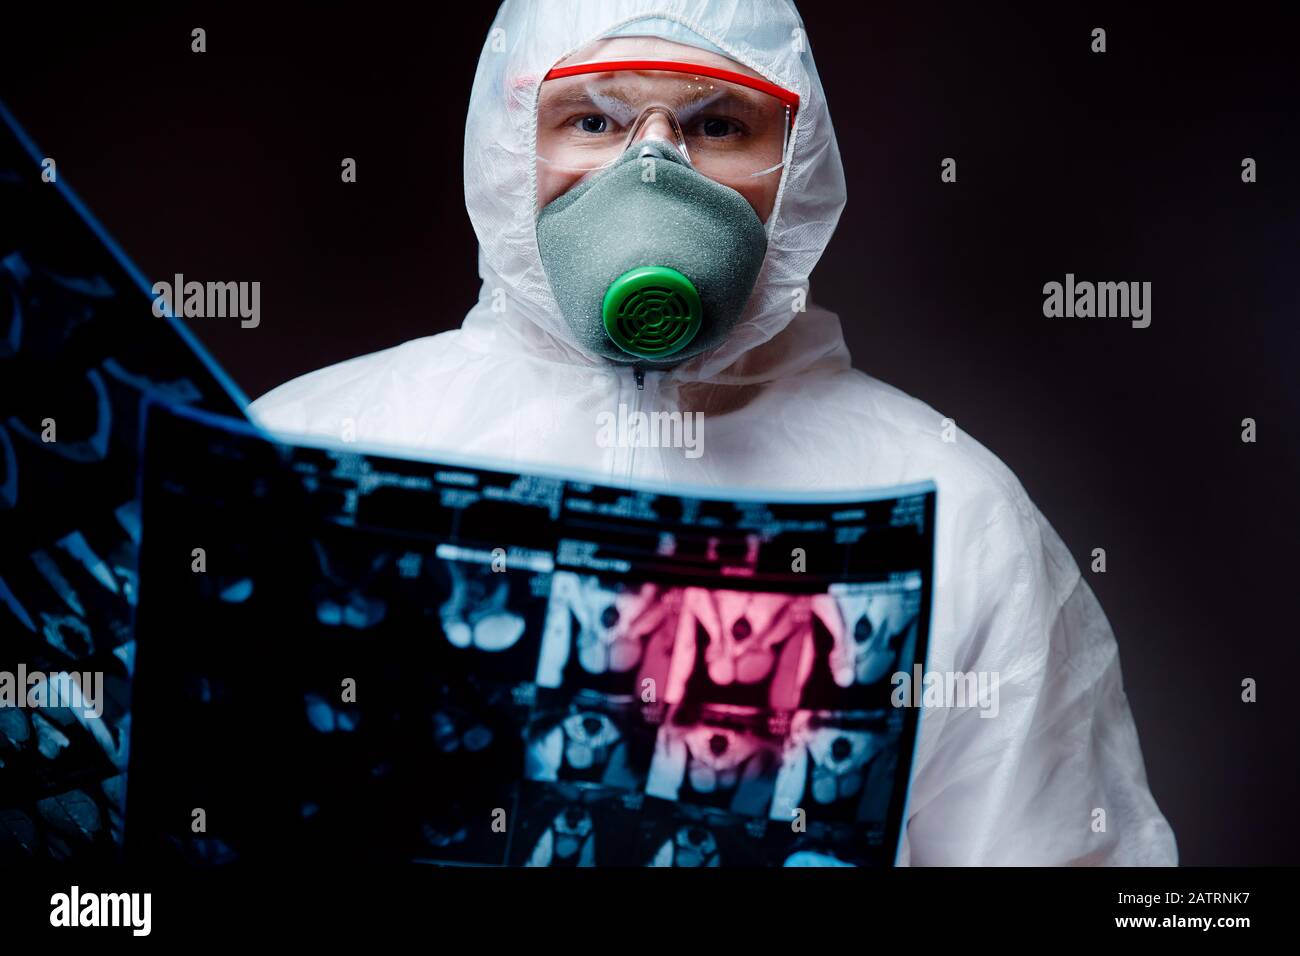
(556, 117)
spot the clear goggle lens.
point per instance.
(727, 130)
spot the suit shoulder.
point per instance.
(315, 402)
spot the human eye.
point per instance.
(593, 124)
(719, 127)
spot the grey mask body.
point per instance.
(650, 209)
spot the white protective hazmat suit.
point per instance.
(783, 409)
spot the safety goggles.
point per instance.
(729, 126)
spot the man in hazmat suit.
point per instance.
(651, 183)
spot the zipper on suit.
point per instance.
(631, 379)
(638, 375)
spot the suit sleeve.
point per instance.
(1053, 774)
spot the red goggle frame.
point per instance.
(787, 97)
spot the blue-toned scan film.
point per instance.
(393, 659)
(80, 351)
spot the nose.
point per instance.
(657, 126)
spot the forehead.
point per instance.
(638, 87)
(652, 48)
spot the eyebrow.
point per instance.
(590, 93)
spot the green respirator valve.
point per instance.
(651, 312)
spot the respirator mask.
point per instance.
(653, 244)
